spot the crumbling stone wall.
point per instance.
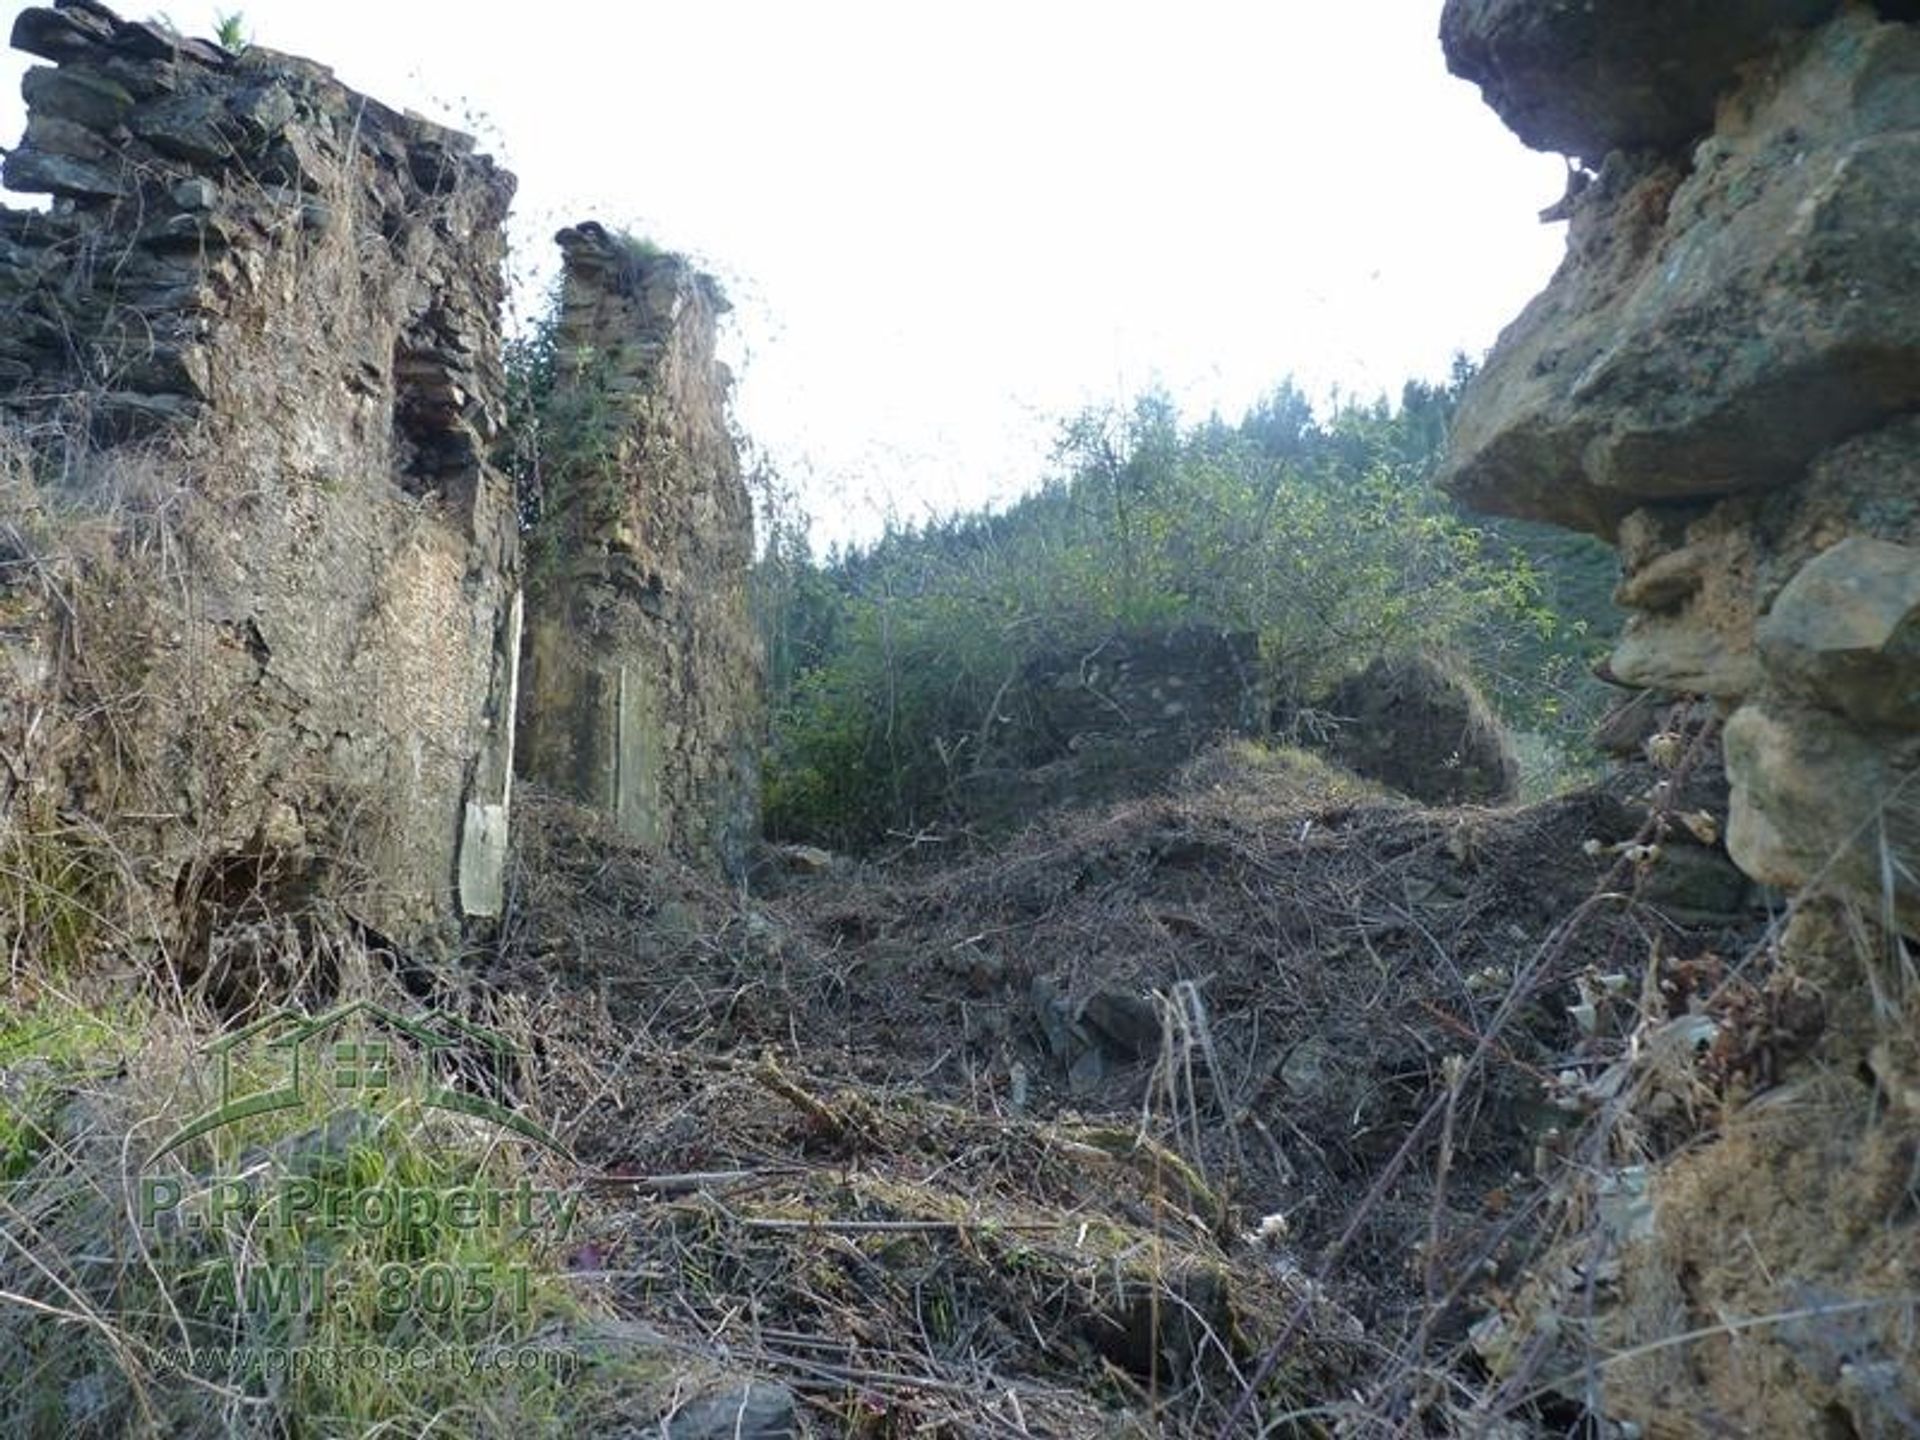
(261, 610)
(1723, 379)
(642, 693)
(1095, 722)
(1421, 728)
(1162, 693)
(1119, 717)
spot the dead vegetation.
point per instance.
(973, 1128)
(1267, 1105)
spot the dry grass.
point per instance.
(829, 1144)
(1413, 1070)
(113, 1323)
(1364, 1009)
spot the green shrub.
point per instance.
(51, 1044)
(1325, 540)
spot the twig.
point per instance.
(841, 1127)
(695, 1180)
(899, 1227)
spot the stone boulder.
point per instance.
(1845, 632)
(754, 1410)
(1817, 802)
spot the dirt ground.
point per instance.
(1219, 1111)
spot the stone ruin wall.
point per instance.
(259, 604)
(1723, 379)
(255, 340)
(642, 687)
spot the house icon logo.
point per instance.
(350, 1049)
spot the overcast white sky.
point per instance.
(944, 227)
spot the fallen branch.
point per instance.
(838, 1126)
(695, 1181)
(893, 1227)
